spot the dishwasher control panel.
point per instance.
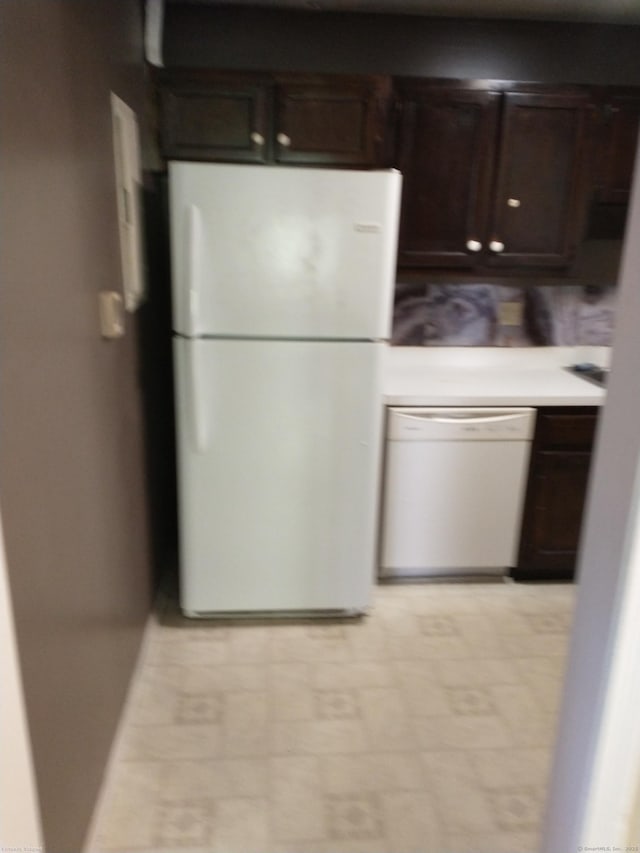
(412, 423)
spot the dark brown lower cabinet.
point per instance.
(556, 492)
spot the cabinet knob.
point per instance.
(513, 202)
(283, 139)
(257, 138)
(474, 246)
(496, 246)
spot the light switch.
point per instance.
(510, 313)
(111, 307)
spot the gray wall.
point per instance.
(605, 573)
(259, 39)
(71, 456)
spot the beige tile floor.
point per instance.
(425, 726)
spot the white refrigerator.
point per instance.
(282, 294)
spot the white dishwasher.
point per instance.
(454, 488)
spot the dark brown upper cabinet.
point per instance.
(223, 119)
(540, 197)
(446, 142)
(331, 121)
(492, 178)
(618, 139)
(290, 119)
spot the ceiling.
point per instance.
(594, 11)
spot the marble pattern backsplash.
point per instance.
(469, 315)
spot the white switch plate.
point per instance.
(111, 307)
(510, 313)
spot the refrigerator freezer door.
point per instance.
(279, 446)
(282, 252)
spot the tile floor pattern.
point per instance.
(425, 726)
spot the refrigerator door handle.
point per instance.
(196, 412)
(193, 267)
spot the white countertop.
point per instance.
(490, 376)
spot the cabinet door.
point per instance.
(558, 479)
(540, 196)
(621, 117)
(445, 153)
(226, 121)
(553, 516)
(336, 122)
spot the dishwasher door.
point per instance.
(454, 490)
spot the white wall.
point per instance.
(19, 814)
(598, 747)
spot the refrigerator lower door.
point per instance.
(279, 456)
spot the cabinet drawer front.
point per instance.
(571, 430)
